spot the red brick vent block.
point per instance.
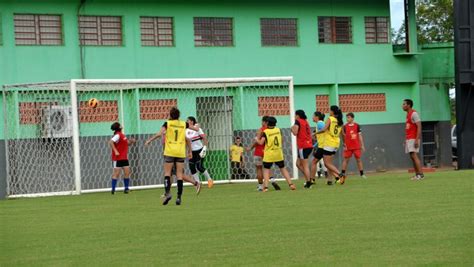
(322, 103)
(30, 112)
(362, 102)
(106, 111)
(274, 106)
(158, 109)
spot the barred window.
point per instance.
(279, 32)
(33, 29)
(213, 32)
(376, 30)
(157, 31)
(335, 30)
(100, 30)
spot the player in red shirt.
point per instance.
(412, 137)
(304, 141)
(119, 145)
(353, 144)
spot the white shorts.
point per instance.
(410, 146)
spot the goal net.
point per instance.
(56, 143)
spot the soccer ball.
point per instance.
(93, 102)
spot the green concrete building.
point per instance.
(338, 51)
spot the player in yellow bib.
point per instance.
(331, 140)
(273, 152)
(174, 152)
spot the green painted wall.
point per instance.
(438, 63)
(315, 67)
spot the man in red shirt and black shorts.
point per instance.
(119, 145)
(353, 144)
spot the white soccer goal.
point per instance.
(57, 145)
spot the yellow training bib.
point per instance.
(235, 153)
(175, 145)
(331, 138)
(273, 145)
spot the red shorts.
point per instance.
(356, 152)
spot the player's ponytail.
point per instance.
(338, 114)
(301, 114)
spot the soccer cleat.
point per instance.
(210, 183)
(126, 191)
(265, 189)
(167, 198)
(292, 187)
(198, 188)
(342, 180)
(259, 188)
(113, 192)
(178, 201)
(276, 186)
(329, 183)
(415, 178)
(363, 176)
(308, 185)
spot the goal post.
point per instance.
(56, 144)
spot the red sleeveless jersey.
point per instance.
(411, 128)
(122, 147)
(259, 148)
(303, 138)
(351, 137)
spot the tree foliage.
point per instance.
(435, 22)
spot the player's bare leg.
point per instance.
(303, 166)
(192, 181)
(360, 166)
(266, 178)
(285, 174)
(416, 164)
(259, 176)
(332, 170)
(314, 169)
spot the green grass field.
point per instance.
(384, 220)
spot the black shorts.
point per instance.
(121, 163)
(268, 165)
(173, 160)
(328, 153)
(196, 157)
(303, 153)
(318, 153)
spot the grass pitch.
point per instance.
(384, 220)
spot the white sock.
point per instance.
(206, 174)
(196, 177)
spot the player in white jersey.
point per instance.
(199, 149)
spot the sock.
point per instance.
(196, 177)
(114, 184)
(319, 174)
(361, 173)
(167, 184)
(180, 188)
(326, 174)
(126, 182)
(206, 174)
(343, 172)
